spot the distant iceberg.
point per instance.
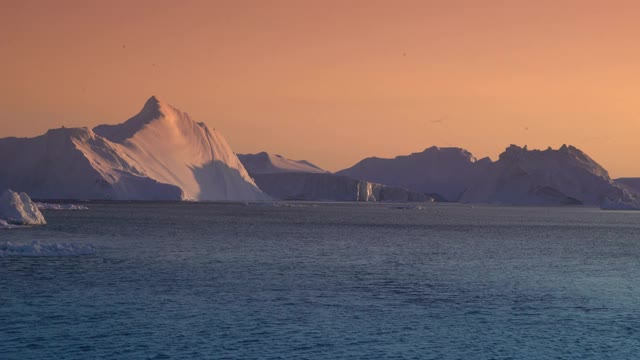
(18, 209)
(158, 154)
(38, 249)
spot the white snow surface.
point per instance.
(17, 208)
(159, 154)
(39, 249)
(267, 163)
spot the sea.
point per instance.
(158, 280)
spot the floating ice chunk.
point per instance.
(47, 206)
(17, 208)
(6, 225)
(408, 207)
(37, 249)
(293, 205)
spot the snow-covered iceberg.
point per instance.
(564, 176)
(286, 179)
(18, 209)
(38, 249)
(446, 171)
(159, 154)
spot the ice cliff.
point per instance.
(287, 179)
(444, 171)
(330, 187)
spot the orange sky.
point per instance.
(335, 81)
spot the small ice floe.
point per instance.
(47, 206)
(281, 204)
(408, 207)
(18, 209)
(6, 225)
(37, 249)
(293, 205)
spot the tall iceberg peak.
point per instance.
(158, 154)
(153, 109)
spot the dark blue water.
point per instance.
(334, 281)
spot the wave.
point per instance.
(47, 206)
(38, 249)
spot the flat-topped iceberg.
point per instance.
(17, 208)
(38, 249)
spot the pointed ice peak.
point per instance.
(153, 109)
(152, 104)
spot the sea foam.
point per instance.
(37, 249)
(47, 206)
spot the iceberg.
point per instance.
(442, 172)
(18, 209)
(158, 154)
(564, 176)
(286, 179)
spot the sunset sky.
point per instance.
(336, 81)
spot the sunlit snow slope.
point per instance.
(267, 163)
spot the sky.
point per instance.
(336, 81)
